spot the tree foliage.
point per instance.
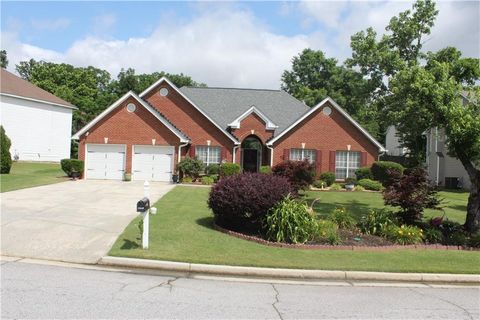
(5, 156)
(3, 59)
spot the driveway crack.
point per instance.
(277, 300)
(168, 283)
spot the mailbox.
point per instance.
(143, 205)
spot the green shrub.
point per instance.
(458, 238)
(5, 156)
(342, 218)
(359, 188)
(187, 179)
(265, 169)
(377, 221)
(289, 221)
(229, 169)
(212, 169)
(474, 240)
(350, 180)
(404, 234)
(336, 187)
(380, 170)
(364, 173)
(327, 232)
(319, 184)
(433, 235)
(69, 166)
(301, 174)
(191, 167)
(328, 177)
(370, 184)
(207, 180)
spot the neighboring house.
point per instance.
(392, 143)
(38, 123)
(147, 134)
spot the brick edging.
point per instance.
(340, 247)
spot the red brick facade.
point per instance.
(325, 134)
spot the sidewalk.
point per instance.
(289, 274)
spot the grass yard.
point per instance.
(31, 174)
(182, 231)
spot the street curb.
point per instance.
(294, 274)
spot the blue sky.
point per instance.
(245, 44)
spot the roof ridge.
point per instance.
(231, 88)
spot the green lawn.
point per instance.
(31, 174)
(182, 231)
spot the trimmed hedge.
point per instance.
(370, 184)
(240, 202)
(364, 173)
(72, 165)
(328, 177)
(212, 169)
(229, 169)
(191, 167)
(5, 156)
(380, 170)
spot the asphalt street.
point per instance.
(31, 290)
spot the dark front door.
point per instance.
(250, 160)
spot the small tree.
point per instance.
(412, 192)
(301, 174)
(191, 167)
(5, 156)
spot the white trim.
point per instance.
(163, 79)
(172, 163)
(37, 100)
(269, 125)
(119, 102)
(85, 171)
(339, 109)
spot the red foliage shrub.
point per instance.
(239, 202)
(301, 174)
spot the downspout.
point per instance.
(436, 153)
(180, 151)
(271, 154)
(234, 152)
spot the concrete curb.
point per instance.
(292, 274)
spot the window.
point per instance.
(302, 154)
(346, 162)
(209, 154)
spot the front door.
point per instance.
(250, 160)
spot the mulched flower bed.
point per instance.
(367, 242)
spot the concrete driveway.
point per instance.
(73, 221)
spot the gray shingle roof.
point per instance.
(224, 105)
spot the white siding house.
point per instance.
(392, 143)
(38, 123)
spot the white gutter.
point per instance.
(180, 150)
(271, 155)
(235, 147)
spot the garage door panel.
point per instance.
(153, 163)
(105, 162)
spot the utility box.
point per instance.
(143, 205)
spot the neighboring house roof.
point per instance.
(163, 79)
(225, 105)
(14, 86)
(339, 109)
(156, 113)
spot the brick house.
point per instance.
(147, 134)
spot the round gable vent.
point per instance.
(164, 92)
(327, 111)
(131, 107)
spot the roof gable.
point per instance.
(269, 125)
(160, 117)
(16, 87)
(341, 111)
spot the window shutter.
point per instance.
(286, 154)
(318, 162)
(332, 161)
(191, 151)
(363, 159)
(223, 154)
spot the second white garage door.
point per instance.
(153, 163)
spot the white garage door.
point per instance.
(153, 163)
(105, 161)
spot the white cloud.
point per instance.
(327, 12)
(104, 23)
(227, 46)
(50, 24)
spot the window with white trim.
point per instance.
(346, 162)
(302, 154)
(209, 154)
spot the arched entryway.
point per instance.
(251, 151)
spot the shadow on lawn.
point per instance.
(128, 244)
(206, 222)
